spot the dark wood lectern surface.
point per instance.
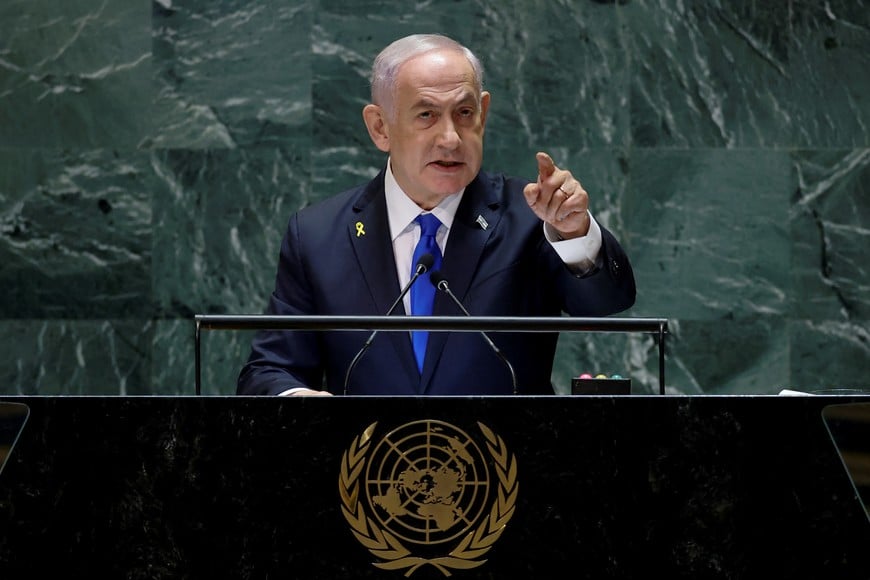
(365, 487)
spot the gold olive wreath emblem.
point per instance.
(426, 485)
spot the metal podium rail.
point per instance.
(656, 326)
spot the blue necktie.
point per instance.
(422, 292)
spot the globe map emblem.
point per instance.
(427, 482)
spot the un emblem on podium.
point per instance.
(427, 494)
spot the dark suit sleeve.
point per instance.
(606, 289)
(282, 360)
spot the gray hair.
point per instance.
(387, 64)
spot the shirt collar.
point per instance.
(401, 209)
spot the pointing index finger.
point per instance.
(546, 167)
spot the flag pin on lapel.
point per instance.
(482, 222)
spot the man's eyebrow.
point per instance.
(427, 103)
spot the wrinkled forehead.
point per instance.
(440, 71)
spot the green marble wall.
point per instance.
(151, 153)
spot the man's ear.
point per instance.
(484, 107)
(376, 123)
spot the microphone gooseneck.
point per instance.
(440, 282)
(424, 264)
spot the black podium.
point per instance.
(357, 487)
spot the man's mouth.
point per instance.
(447, 163)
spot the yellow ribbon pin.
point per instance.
(360, 231)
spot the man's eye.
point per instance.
(466, 112)
(426, 115)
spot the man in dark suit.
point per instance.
(510, 248)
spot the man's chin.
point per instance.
(447, 184)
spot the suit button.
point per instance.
(614, 267)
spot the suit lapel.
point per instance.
(369, 233)
(465, 245)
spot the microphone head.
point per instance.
(425, 262)
(437, 278)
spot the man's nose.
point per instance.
(448, 136)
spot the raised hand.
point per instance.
(558, 199)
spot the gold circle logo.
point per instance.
(427, 493)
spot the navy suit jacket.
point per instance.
(506, 269)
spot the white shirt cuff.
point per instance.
(581, 253)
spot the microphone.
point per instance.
(424, 264)
(440, 282)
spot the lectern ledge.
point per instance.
(655, 326)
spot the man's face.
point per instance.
(434, 131)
